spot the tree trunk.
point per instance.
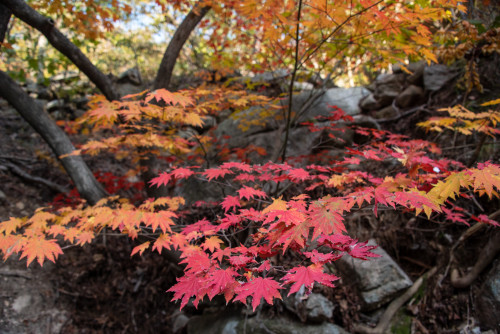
(88, 187)
(46, 26)
(181, 35)
(5, 14)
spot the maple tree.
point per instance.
(236, 250)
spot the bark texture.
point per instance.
(37, 117)
(46, 26)
(180, 37)
(5, 14)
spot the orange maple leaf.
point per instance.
(40, 249)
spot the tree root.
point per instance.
(49, 184)
(487, 255)
(393, 307)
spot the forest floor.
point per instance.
(99, 288)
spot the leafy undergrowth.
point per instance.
(264, 235)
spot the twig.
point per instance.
(18, 273)
(395, 305)
(19, 172)
(401, 115)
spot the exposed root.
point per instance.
(395, 305)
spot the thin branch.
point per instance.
(49, 184)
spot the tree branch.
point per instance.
(49, 184)
(37, 117)
(5, 14)
(180, 37)
(46, 26)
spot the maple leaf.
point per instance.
(258, 288)
(41, 249)
(214, 173)
(238, 165)
(298, 174)
(240, 260)
(317, 257)
(212, 243)
(163, 241)
(161, 219)
(161, 180)
(296, 233)
(220, 280)
(362, 251)
(249, 193)
(140, 249)
(182, 173)
(265, 266)
(326, 216)
(307, 276)
(10, 225)
(230, 202)
(187, 286)
(169, 97)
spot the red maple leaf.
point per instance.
(248, 193)
(240, 260)
(326, 216)
(161, 180)
(307, 276)
(187, 286)
(230, 202)
(214, 173)
(219, 280)
(238, 165)
(362, 251)
(258, 288)
(182, 173)
(317, 257)
(298, 174)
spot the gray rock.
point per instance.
(488, 300)
(54, 105)
(346, 99)
(377, 280)
(411, 96)
(271, 76)
(248, 122)
(387, 88)
(417, 78)
(318, 307)
(386, 113)
(285, 326)
(131, 75)
(302, 85)
(219, 323)
(232, 323)
(180, 321)
(369, 103)
(436, 76)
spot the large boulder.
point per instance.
(321, 103)
(377, 280)
(437, 76)
(412, 95)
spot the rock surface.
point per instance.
(377, 280)
(237, 324)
